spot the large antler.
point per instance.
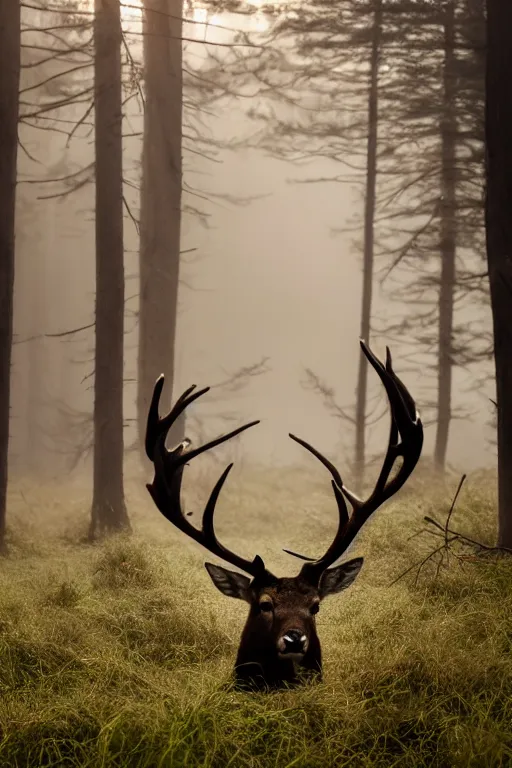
(405, 441)
(169, 464)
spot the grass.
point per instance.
(119, 654)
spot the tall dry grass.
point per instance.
(119, 654)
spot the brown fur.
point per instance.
(258, 663)
(262, 660)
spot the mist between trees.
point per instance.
(111, 116)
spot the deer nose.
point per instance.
(294, 641)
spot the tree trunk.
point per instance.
(108, 506)
(447, 240)
(498, 133)
(34, 295)
(160, 217)
(369, 216)
(9, 102)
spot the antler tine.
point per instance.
(328, 464)
(405, 426)
(404, 392)
(165, 489)
(405, 441)
(155, 424)
(257, 565)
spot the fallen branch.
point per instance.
(451, 538)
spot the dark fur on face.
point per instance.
(279, 642)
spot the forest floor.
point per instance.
(120, 653)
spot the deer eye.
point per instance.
(266, 605)
(314, 608)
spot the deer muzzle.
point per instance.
(293, 643)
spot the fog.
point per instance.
(264, 279)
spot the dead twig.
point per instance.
(451, 539)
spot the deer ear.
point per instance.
(229, 583)
(337, 579)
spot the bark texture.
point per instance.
(108, 507)
(498, 136)
(448, 237)
(9, 104)
(160, 219)
(368, 256)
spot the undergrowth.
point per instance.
(120, 653)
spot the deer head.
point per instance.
(279, 642)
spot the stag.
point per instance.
(279, 644)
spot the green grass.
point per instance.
(119, 654)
